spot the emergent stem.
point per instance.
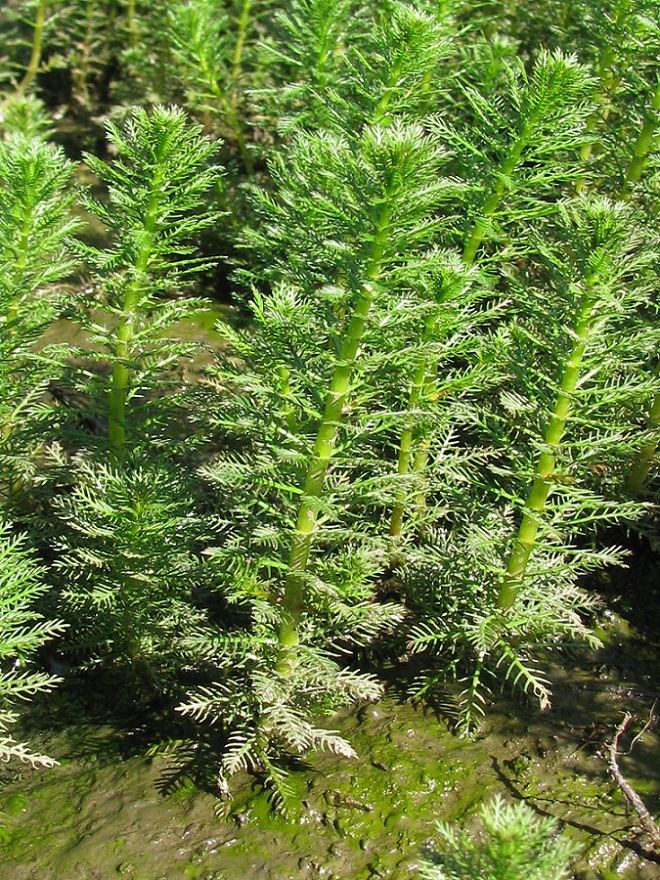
(406, 442)
(504, 176)
(121, 371)
(642, 465)
(37, 44)
(545, 468)
(294, 591)
(427, 372)
(644, 141)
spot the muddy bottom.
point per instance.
(98, 816)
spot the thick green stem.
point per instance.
(642, 464)
(229, 106)
(132, 24)
(237, 58)
(545, 469)
(380, 113)
(294, 592)
(121, 373)
(12, 314)
(236, 71)
(609, 84)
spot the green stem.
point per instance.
(228, 106)
(642, 465)
(37, 45)
(294, 592)
(609, 84)
(428, 373)
(545, 468)
(236, 71)
(644, 142)
(380, 113)
(121, 373)
(237, 58)
(132, 24)
(406, 442)
(503, 178)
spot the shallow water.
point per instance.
(100, 816)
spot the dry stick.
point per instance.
(633, 799)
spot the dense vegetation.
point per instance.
(440, 388)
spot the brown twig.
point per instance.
(633, 799)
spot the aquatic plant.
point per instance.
(26, 64)
(120, 521)
(512, 842)
(515, 159)
(298, 381)
(211, 44)
(22, 631)
(561, 412)
(429, 397)
(601, 277)
(36, 229)
(155, 190)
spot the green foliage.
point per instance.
(213, 52)
(349, 67)
(155, 192)
(434, 390)
(25, 115)
(22, 631)
(126, 567)
(266, 716)
(512, 843)
(452, 585)
(35, 255)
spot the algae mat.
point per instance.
(98, 816)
